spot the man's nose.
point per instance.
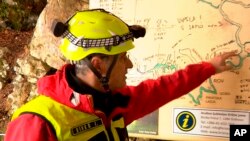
(129, 63)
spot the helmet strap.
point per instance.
(103, 79)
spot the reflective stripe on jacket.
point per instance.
(70, 124)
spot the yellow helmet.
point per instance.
(95, 31)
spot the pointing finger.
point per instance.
(229, 54)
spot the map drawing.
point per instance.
(183, 32)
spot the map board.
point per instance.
(181, 32)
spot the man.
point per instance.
(88, 100)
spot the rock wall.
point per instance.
(43, 50)
(44, 45)
(20, 67)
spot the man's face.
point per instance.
(119, 71)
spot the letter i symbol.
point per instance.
(185, 121)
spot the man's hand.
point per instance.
(219, 62)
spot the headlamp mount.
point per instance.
(137, 30)
(58, 28)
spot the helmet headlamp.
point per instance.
(95, 31)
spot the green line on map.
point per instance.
(202, 90)
(210, 3)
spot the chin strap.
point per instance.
(103, 79)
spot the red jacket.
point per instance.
(146, 97)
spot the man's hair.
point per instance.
(81, 66)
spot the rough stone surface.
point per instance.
(14, 45)
(26, 56)
(43, 39)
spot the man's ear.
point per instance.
(99, 64)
